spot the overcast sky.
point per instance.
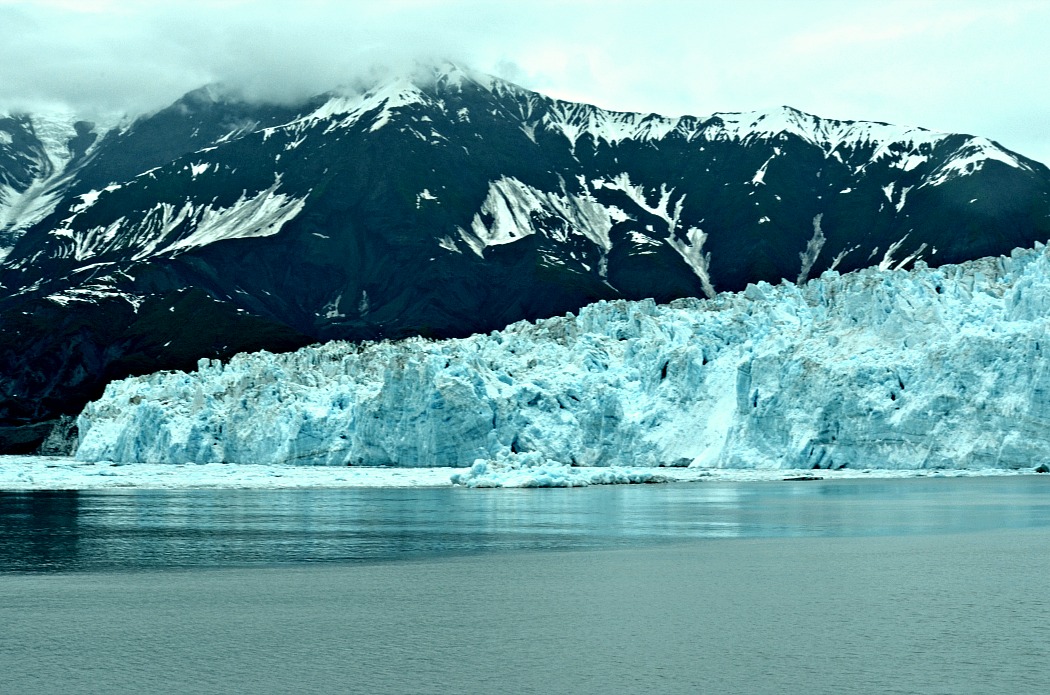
(970, 66)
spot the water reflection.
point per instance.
(63, 531)
(42, 527)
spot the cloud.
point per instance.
(964, 66)
(137, 56)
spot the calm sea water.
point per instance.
(922, 585)
(148, 529)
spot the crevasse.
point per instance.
(930, 368)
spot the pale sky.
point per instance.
(977, 67)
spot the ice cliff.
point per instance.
(930, 368)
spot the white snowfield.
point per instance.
(880, 369)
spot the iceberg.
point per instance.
(932, 368)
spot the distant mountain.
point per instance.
(441, 204)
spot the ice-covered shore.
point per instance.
(878, 369)
(27, 473)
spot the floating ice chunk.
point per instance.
(532, 470)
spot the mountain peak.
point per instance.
(447, 74)
(212, 93)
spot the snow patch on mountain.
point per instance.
(887, 261)
(259, 216)
(691, 249)
(167, 228)
(90, 198)
(424, 195)
(760, 176)
(688, 243)
(911, 161)
(663, 206)
(200, 168)
(513, 210)
(91, 294)
(970, 159)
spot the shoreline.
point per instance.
(39, 473)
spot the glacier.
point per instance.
(932, 368)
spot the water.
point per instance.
(147, 529)
(911, 586)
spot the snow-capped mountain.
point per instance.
(446, 203)
(847, 370)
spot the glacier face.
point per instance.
(929, 368)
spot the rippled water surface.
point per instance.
(910, 586)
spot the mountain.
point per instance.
(845, 370)
(441, 204)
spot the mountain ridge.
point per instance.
(457, 203)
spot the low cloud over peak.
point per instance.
(963, 66)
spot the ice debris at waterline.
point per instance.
(930, 368)
(23, 473)
(533, 470)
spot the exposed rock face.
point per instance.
(62, 439)
(440, 205)
(929, 368)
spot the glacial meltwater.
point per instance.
(916, 585)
